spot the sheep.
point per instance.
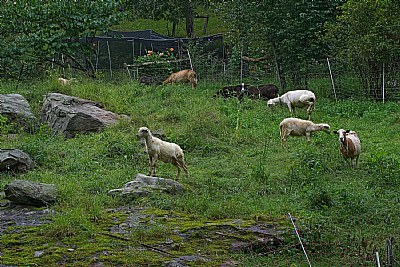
(165, 151)
(296, 99)
(184, 76)
(298, 127)
(266, 91)
(64, 82)
(350, 146)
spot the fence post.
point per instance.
(378, 263)
(97, 55)
(330, 73)
(109, 57)
(389, 252)
(301, 243)
(383, 82)
(190, 60)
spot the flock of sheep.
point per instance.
(157, 149)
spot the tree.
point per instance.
(291, 31)
(34, 31)
(170, 10)
(367, 35)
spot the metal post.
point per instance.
(378, 263)
(383, 83)
(330, 73)
(241, 66)
(389, 252)
(97, 55)
(190, 60)
(109, 57)
(298, 236)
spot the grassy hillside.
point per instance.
(239, 170)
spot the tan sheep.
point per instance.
(298, 127)
(184, 76)
(158, 149)
(295, 99)
(64, 82)
(350, 146)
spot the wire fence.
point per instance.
(329, 77)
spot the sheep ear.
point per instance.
(347, 131)
(335, 132)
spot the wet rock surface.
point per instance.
(244, 236)
(17, 217)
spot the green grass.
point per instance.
(238, 170)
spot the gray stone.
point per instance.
(30, 193)
(15, 160)
(143, 185)
(68, 115)
(17, 110)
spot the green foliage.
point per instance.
(36, 32)
(289, 31)
(366, 35)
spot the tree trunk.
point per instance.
(189, 19)
(278, 65)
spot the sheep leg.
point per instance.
(283, 138)
(185, 169)
(284, 134)
(184, 166)
(308, 136)
(310, 110)
(154, 165)
(149, 164)
(291, 109)
(177, 165)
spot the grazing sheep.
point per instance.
(298, 127)
(184, 76)
(64, 82)
(350, 146)
(295, 99)
(266, 91)
(161, 150)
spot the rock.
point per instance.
(143, 185)
(70, 115)
(17, 110)
(15, 160)
(30, 193)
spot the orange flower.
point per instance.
(171, 49)
(149, 52)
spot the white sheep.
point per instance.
(298, 127)
(64, 82)
(295, 99)
(350, 146)
(158, 149)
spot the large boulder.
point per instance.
(15, 160)
(70, 115)
(144, 185)
(17, 110)
(29, 193)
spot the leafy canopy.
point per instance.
(36, 30)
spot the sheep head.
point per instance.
(342, 134)
(325, 127)
(143, 132)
